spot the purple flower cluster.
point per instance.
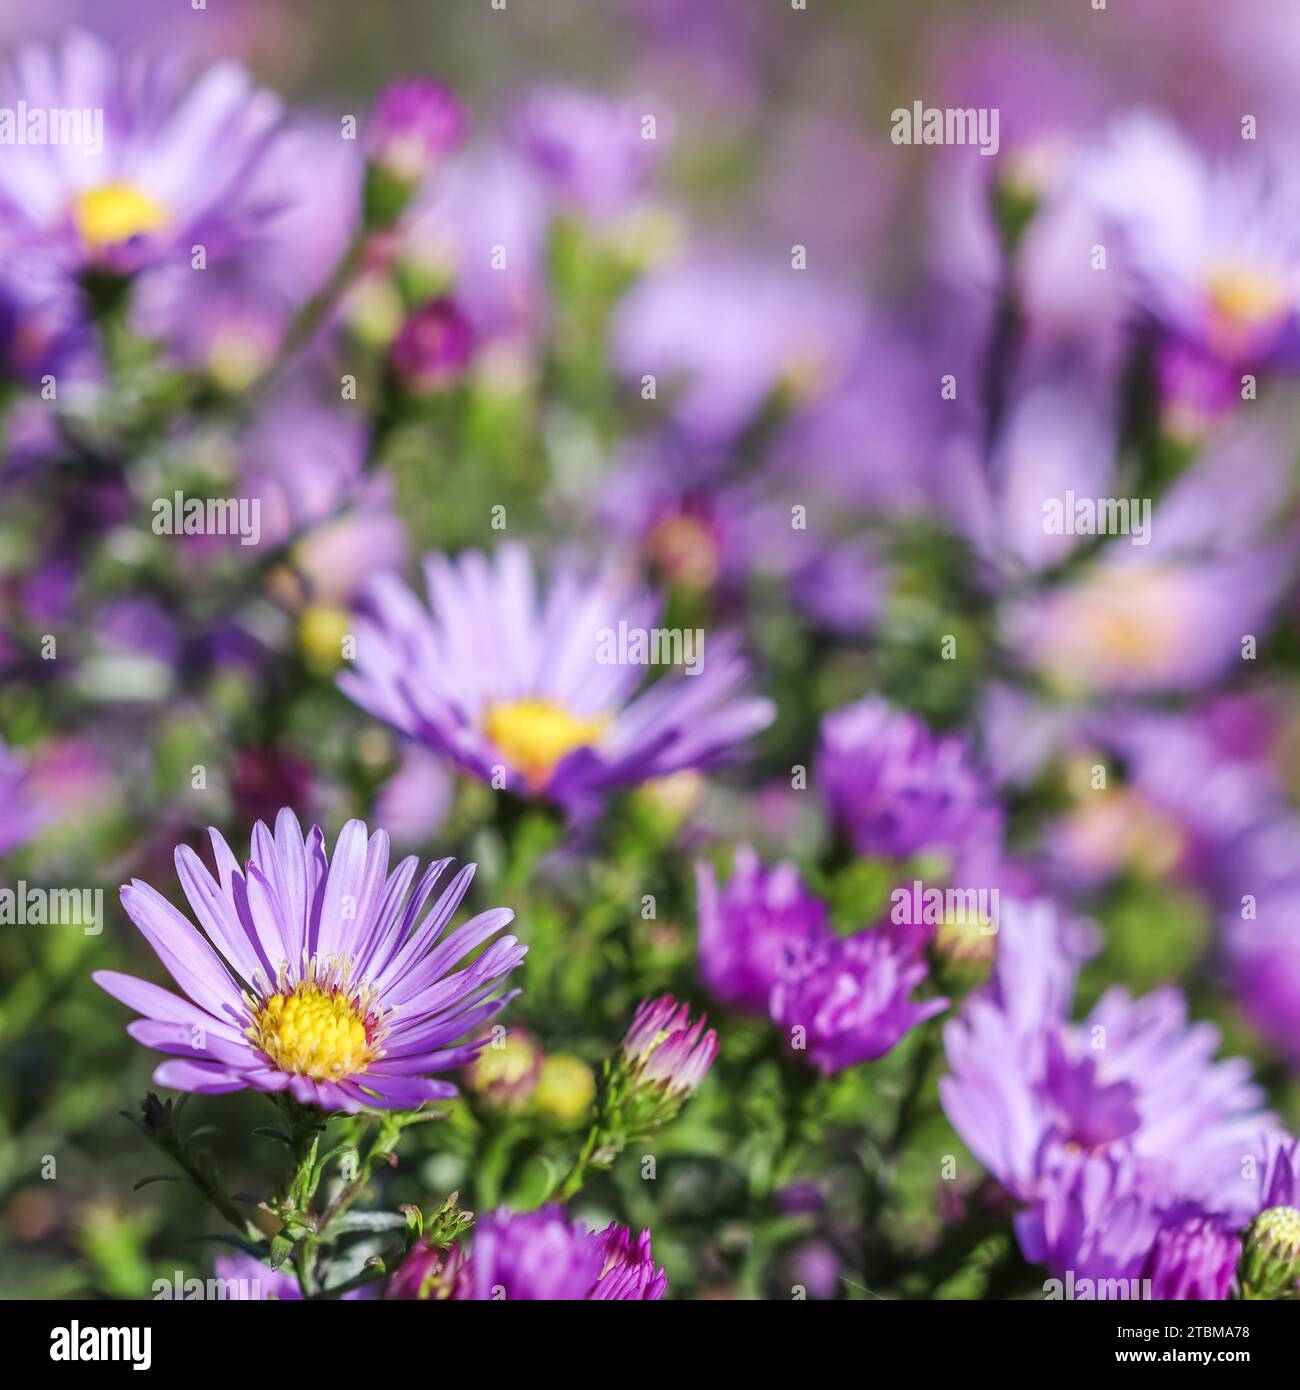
(765, 947)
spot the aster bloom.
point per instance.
(750, 930)
(1142, 627)
(589, 149)
(1122, 1114)
(1193, 1257)
(171, 169)
(432, 348)
(511, 686)
(1212, 249)
(895, 788)
(544, 1255)
(314, 976)
(850, 999)
(664, 1051)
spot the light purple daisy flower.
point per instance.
(535, 694)
(1133, 1086)
(313, 976)
(588, 148)
(895, 788)
(1212, 248)
(167, 169)
(751, 930)
(850, 999)
(546, 1255)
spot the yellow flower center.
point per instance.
(116, 212)
(314, 1032)
(534, 735)
(1242, 298)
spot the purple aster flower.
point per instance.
(21, 817)
(735, 332)
(1133, 1086)
(751, 929)
(588, 148)
(169, 169)
(487, 200)
(1212, 249)
(849, 999)
(545, 1255)
(665, 1051)
(313, 976)
(895, 788)
(1194, 1257)
(414, 125)
(534, 694)
(432, 348)
(1134, 627)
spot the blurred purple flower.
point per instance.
(21, 816)
(849, 997)
(171, 169)
(589, 149)
(733, 331)
(1097, 1126)
(414, 124)
(513, 688)
(433, 347)
(895, 788)
(1213, 249)
(750, 930)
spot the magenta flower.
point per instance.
(665, 1051)
(538, 695)
(432, 348)
(169, 166)
(415, 124)
(751, 930)
(313, 976)
(543, 1255)
(848, 1000)
(895, 788)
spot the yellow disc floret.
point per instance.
(116, 212)
(314, 1031)
(535, 734)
